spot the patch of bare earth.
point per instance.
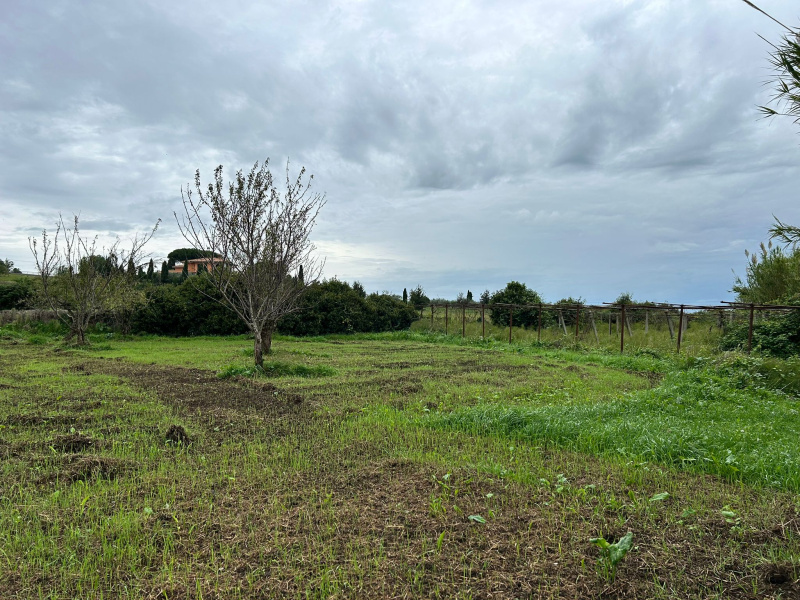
(361, 525)
(399, 529)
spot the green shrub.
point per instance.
(778, 335)
(17, 295)
(188, 309)
(333, 306)
(517, 293)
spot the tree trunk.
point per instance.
(266, 340)
(257, 354)
(80, 333)
(77, 329)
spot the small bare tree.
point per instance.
(262, 237)
(81, 280)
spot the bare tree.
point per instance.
(262, 237)
(81, 280)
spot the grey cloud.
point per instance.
(483, 141)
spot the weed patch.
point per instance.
(276, 369)
(697, 419)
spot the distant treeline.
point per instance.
(188, 306)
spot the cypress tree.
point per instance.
(300, 277)
(405, 296)
(131, 268)
(150, 270)
(164, 272)
(185, 272)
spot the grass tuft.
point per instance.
(276, 369)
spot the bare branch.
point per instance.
(80, 281)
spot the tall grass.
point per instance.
(711, 417)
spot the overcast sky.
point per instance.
(585, 148)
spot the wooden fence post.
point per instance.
(594, 327)
(669, 325)
(431, 317)
(510, 322)
(463, 319)
(446, 318)
(483, 321)
(680, 329)
(563, 323)
(577, 320)
(750, 331)
(646, 321)
(622, 331)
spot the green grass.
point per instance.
(355, 469)
(696, 419)
(276, 369)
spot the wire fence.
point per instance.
(581, 320)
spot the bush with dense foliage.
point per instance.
(778, 335)
(418, 299)
(334, 306)
(17, 294)
(190, 308)
(185, 309)
(515, 293)
(772, 276)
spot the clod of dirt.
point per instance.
(82, 467)
(73, 443)
(176, 434)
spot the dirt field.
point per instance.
(123, 479)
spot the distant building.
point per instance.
(193, 265)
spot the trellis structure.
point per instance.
(622, 311)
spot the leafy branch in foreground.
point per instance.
(788, 234)
(785, 61)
